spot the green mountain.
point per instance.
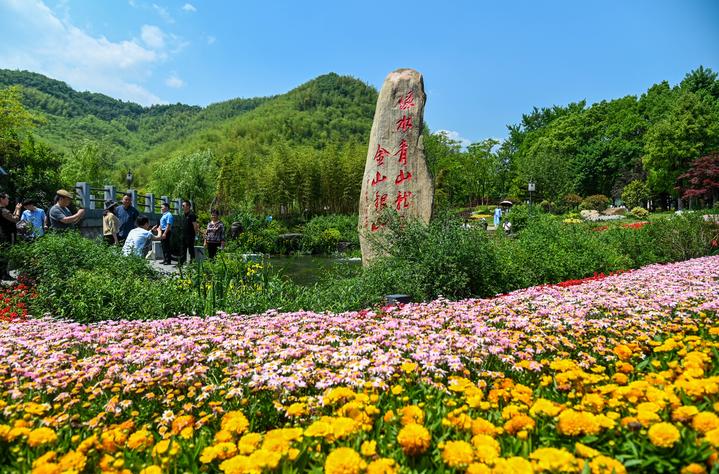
(329, 115)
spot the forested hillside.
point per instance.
(304, 151)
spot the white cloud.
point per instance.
(174, 81)
(153, 36)
(188, 7)
(211, 40)
(164, 14)
(39, 41)
(452, 135)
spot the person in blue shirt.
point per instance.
(166, 222)
(35, 216)
(138, 239)
(127, 215)
(497, 217)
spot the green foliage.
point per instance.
(190, 177)
(520, 215)
(569, 202)
(322, 234)
(87, 281)
(635, 194)
(598, 202)
(639, 212)
(91, 162)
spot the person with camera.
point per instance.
(8, 229)
(61, 217)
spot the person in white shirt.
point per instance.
(138, 239)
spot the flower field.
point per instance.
(617, 374)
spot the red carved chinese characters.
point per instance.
(402, 152)
(402, 200)
(404, 124)
(380, 155)
(401, 177)
(379, 177)
(380, 201)
(407, 101)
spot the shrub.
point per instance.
(520, 216)
(322, 234)
(635, 194)
(547, 206)
(86, 280)
(639, 212)
(569, 202)
(598, 201)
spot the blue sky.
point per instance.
(484, 63)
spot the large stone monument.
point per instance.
(396, 176)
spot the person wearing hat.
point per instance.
(110, 223)
(35, 216)
(61, 218)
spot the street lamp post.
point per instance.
(129, 177)
(531, 189)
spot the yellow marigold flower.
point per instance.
(153, 469)
(319, 429)
(297, 409)
(368, 448)
(647, 418)
(542, 406)
(344, 461)
(4, 430)
(584, 451)
(223, 436)
(485, 440)
(414, 439)
(684, 413)
(263, 459)
(397, 390)
(712, 437)
(705, 421)
(73, 461)
(40, 436)
(237, 465)
(553, 460)
(478, 468)
(140, 440)
(513, 465)
(606, 465)
(408, 367)
(482, 426)
(486, 453)
(578, 423)
(224, 450)
(519, 423)
(47, 468)
(411, 414)
(663, 435)
(382, 466)
(208, 455)
(457, 454)
(623, 352)
(693, 468)
(249, 442)
(48, 457)
(620, 379)
(235, 422)
(338, 394)
(389, 416)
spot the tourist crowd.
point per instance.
(122, 224)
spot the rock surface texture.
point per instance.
(396, 177)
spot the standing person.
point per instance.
(137, 242)
(215, 235)
(166, 222)
(127, 214)
(61, 218)
(190, 229)
(35, 216)
(8, 221)
(110, 223)
(497, 217)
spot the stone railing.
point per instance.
(92, 199)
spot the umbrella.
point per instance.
(505, 203)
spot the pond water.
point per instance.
(309, 269)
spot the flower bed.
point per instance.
(617, 373)
(14, 302)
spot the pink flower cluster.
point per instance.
(287, 352)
